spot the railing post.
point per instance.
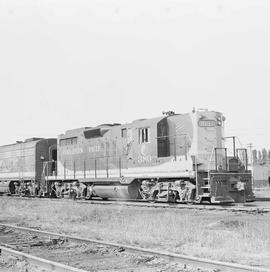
(84, 175)
(47, 175)
(246, 159)
(216, 158)
(226, 165)
(90, 161)
(234, 146)
(95, 168)
(55, 172)
(196, 174)
(47, 170)
(185, 147)
(174, 148)
(64, 170)
(107, 166)
(74, 169)
(120, 174)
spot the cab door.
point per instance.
(163, 139)
(52, 161)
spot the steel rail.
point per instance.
(178, 206)
(199, 262)
(40, 262)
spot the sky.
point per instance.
(75, 63)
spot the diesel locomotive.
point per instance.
(22, 165)
(173, 158)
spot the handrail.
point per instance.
(210, 160)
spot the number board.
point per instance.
(207, 123)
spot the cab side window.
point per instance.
(124, 133)
(144, 135)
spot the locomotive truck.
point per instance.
(173, 158)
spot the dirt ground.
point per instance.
(220, 235)
(89, 257)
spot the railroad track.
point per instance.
(39, 262)
(172, 257)
(158, 205)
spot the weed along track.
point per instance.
(96, 255)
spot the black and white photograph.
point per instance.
(135, 135)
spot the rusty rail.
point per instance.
(40, 262)
(199, 262)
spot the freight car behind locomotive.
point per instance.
(21, 165)
(176, 157)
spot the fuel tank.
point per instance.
(7, 187)
(129, 191)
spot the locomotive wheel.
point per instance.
(153, 198)
(86, 194)
(144, 196)
(175, 197)
(73, 195)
